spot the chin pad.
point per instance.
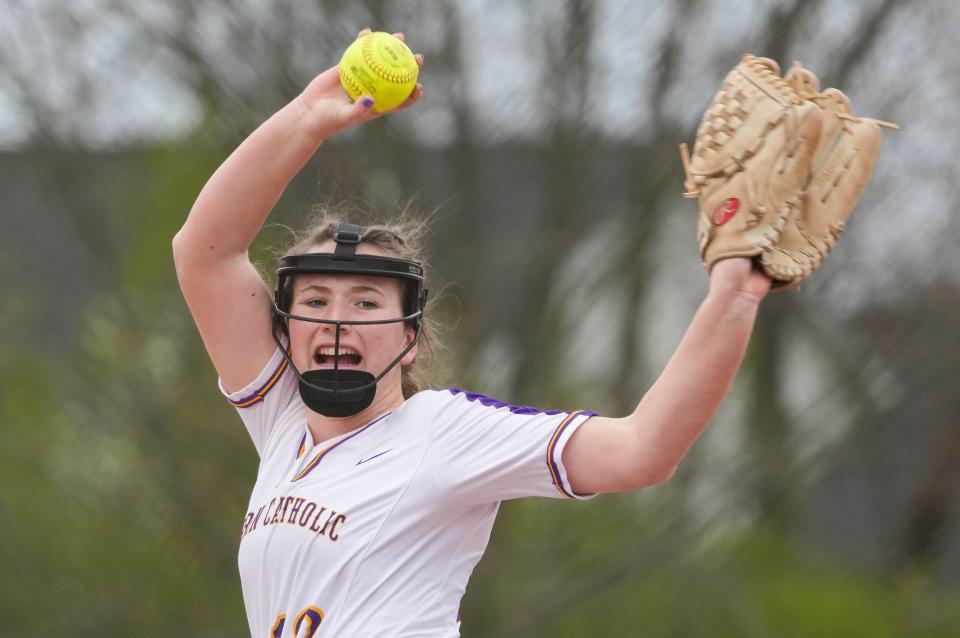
(337, 393)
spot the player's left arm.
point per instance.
(644, 448)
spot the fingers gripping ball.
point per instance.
(380, 65)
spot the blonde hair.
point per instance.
(403, 237)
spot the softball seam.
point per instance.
(380, 70)
(352, 87)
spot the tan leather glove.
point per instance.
(777, 168)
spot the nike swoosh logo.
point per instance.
(370, 458)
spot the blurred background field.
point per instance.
(824, 500)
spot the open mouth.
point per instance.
(325, 357)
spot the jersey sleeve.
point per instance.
(486, 450)
(263, 401)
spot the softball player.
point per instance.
(374, 499)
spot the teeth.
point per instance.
(330, 351)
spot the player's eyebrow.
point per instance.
(356, 288)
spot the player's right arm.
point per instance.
(228, 299)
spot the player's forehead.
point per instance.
(320, 281)
(338, 283)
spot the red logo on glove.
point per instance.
(727, 209)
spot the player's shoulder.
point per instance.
(428, 399)
(454, 399)
(440, 404)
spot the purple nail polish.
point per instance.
(367, 102)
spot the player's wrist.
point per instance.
(737, 280)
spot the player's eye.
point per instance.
(314, 303)
(368, 304)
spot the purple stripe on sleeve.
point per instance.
(262, 391)
(551, 457)
(482, 399)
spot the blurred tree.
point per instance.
(547, 149)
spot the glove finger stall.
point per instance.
(845, 158)
(754, 150)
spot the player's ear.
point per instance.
(408, 336)
(410, 357)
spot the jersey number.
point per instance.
(312, 615)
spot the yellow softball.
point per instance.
(380, 65)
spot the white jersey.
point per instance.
(375, 532)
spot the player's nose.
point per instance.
(338, 316)
(338, 309)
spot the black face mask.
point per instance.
(336, 392)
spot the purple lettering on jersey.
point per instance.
(276, 513)
(277, 630)
(271, 516)
(483, 399)
(286, 503)
(266, 518)
(313, 616)
(256, 519)
(307, 512)
(316, 519)
(333, 528)
(295, 509)
(246, 523)
(324, 530)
